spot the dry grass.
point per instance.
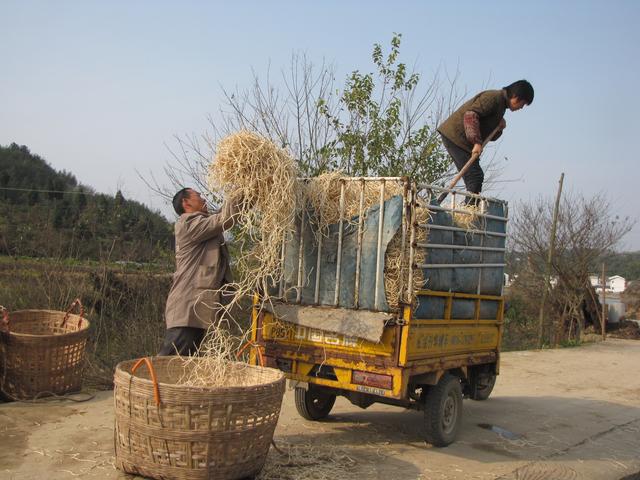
(214, 367)
(262, 177)
(322, 194)
(253, 169)
(396, 264)
(125, 308)
(290, 461)
(467, 217)
(250, 166)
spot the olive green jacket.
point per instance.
(490, 106)
(202, 268)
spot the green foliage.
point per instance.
(570, 343)
(625, 264)
(520, 328)
(45, 213)
(377, 132)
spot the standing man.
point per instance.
(468, 127)
(202, 269)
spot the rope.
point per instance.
(50, 397)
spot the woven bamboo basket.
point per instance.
(169, 431)
(42, 352)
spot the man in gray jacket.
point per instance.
(202, 269)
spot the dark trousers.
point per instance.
(183, 341)
(475, 176)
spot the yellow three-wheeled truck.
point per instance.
(330, 327)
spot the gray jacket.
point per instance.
(202, 267)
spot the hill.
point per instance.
(625, 264)
(48, 213)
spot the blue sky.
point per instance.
(99, 88)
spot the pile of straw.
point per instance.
(215, 367)
(307, 462)
(252, 168)
(322, 194)
(262, 179)
(467, 216)
(396, 264)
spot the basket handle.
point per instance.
(156, 388)
(4, 323)
(249, 343)
(73, 305)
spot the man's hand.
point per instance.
(477, 149)
(503, 124)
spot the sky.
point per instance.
(101, 89)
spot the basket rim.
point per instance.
(85, 323)
(119, 370)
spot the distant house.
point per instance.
(615, 283)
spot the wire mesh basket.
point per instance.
(42, 352)
(165, 430)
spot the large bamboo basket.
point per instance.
(43, 352)
(169, 431)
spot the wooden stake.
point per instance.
(603, 318)
(552, 241)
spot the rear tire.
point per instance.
(483, 387)
(314, 403)
(443, 411)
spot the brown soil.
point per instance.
(549, 418)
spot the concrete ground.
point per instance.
(572, 413)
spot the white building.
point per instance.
(615, 283)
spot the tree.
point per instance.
(379, 130)
(81, 199)
(586, 231)
(381, 123)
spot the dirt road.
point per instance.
(560, 414)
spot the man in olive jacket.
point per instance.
(202, 269)
(464, 132)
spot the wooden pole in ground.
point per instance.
(603, 318)
(552, 242)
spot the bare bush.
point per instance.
(587, 229)
(302, 110)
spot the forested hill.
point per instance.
(625, 264)
(46, 213)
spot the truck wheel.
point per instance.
(443, 411)
(483, 387)
(314, 404)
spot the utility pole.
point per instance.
(603, 318)
(552, 242)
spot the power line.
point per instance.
(92, 231)
(74, 192)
